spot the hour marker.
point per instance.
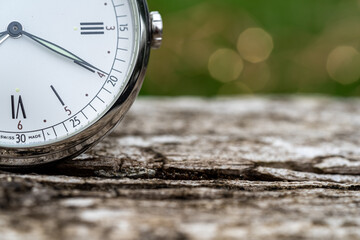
(15, 108)
(92, 28)
(66, 108)
(57, 95)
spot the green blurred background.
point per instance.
(226, 47)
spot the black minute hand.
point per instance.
(63, 52)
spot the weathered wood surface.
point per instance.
(247, 168)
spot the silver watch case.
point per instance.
(75, 145)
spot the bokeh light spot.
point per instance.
(343, 64)
(225, 65)
(255, 45)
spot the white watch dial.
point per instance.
(62, 66)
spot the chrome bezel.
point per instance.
(77, 144)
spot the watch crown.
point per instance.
(156, 29)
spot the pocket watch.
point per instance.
(69, 71)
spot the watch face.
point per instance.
(63, 65)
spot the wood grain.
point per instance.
(187, 168)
